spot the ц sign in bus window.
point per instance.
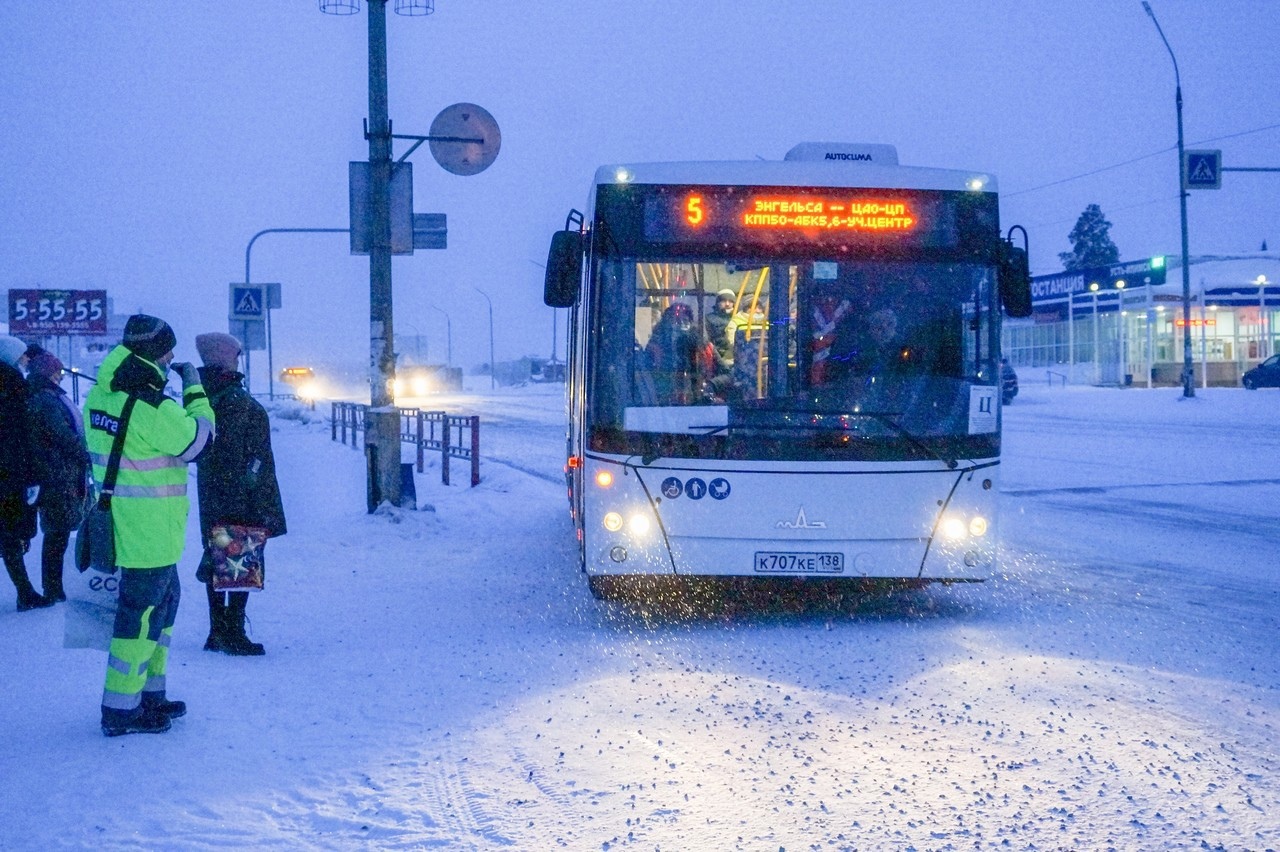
(53, 312)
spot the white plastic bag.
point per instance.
(90, 610)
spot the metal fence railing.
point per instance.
(452, 436)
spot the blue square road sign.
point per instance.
(248, 302)
(1202, 169)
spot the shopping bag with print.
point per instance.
(234, 555)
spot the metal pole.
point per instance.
(1204, 343)
(1264, 337)
(1071, 336)
(1097, 347)
(1188, 369)
(248, 253)
(493, 367)
(448, 332)
(271, 369)
(382, 434)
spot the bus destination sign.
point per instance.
(820, 216)
(854, 214)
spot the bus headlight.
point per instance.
(612, 521)
(977, 526)
(640, 524)
(953, 528)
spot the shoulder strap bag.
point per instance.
(96, 538)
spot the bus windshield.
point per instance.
(792, 356)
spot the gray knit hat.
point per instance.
(148, 337)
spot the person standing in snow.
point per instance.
(236, 481)
(61, 461)
(149, 513)
(18, 490)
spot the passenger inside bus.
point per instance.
(679, 357)
(720, 330)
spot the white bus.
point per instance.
(786, 369)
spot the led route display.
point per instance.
(854, 215)
(818, 216)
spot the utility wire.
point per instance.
(1135, 160)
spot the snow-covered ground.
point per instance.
(443, 678)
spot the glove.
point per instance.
(187, 370)
(33, 494)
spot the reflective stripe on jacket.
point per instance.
(149, 506)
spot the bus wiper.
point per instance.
(887, 420)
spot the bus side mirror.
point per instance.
(1015, 280)
(564, 270)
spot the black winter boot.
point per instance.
(155, 702)
(28, 598)
(217, 621)
(116, 723)
(237, 643)
(52, 552)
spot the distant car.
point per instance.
(1265, 375)
(1008, 381)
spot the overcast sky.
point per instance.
(144, 143)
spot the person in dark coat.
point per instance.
(18, 491)
(679, 356)
(236, 481)
(61, 461)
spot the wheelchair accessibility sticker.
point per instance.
(695, 488)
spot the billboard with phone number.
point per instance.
(51, 312)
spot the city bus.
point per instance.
(786, 369)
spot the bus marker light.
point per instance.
(613, 522)
(604, 479)
(574, 462)
(977, 526)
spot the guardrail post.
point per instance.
(444, 450)
(475, 450)
(333, 421)
(418, 441)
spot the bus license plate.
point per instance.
(773, 562)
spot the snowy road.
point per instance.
(443, 679)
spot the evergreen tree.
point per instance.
(1090, 242)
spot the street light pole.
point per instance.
(493, 381)
(448, 335)
(1188, 371)
(382, 438)
(417, 343)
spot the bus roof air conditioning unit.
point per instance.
(845, 152)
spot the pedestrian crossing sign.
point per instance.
(248, 302)
(1202, 169)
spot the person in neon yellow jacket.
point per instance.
(149, 508)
